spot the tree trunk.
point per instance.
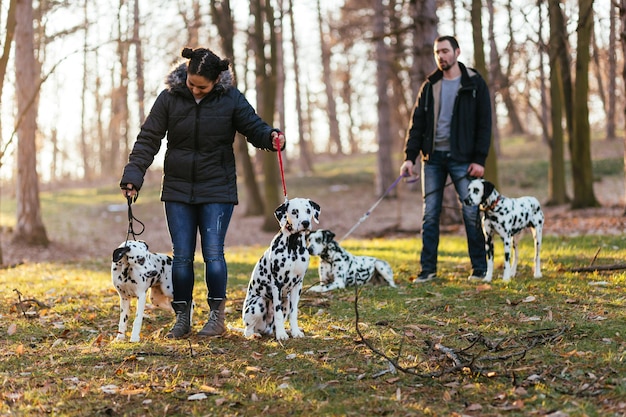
(333, 123)
(4, 60)
(582, 171)
(222, 17)
(491, 165)
(29, 228)
(141, 93)
(557, 190)
(85, 149)
(265, 70)
(306, 161)
(610, 115)
(622, 17)
(384, 172)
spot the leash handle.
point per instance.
(280, 165)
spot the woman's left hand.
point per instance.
(281, 139)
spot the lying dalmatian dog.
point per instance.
(134, 270)
(276, 282)
(340, 269)
(507, 217)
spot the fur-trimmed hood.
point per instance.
(177, 79)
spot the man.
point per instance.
(451, 128)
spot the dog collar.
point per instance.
(493, 205)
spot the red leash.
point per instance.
(280, 164)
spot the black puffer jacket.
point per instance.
(199, 162)
(470, 130)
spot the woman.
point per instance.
(200, 111)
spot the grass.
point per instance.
(531, 347)
(59, 356)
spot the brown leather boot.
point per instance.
(215, 325)
(182, 327)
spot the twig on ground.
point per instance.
(464, 360)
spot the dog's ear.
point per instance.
(316, 210)
(280, 214)
(119, 253)
(329, 235)
(143, 242)
(488, 189)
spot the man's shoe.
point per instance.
(425, 276)
(477, 276)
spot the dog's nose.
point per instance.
(306, 224)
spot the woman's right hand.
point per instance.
(129, 191)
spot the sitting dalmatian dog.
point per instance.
(276, 282)
(340, 269)
(134, 271)
(507, 217)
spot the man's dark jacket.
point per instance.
(470, 129)
(199, 164)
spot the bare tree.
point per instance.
(4, 60)
(612, 47)
(622, 17)
(331, 107)
(29, 228)
(141, 93)
(193, 22)
(582, 171)
(84, 147)
(491, 165)
(557, 193)
(305, 151)
(265, 71)
(384, 173)
(221, 14)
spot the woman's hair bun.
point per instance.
(187, 53)
(224, 64)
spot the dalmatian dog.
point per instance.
(276, 281)
(134, 271)
(507, 217)
(340, 269)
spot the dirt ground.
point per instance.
(342, 208)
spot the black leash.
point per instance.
(131, 219)
(119, 252)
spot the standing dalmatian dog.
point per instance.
(276, 282)
(340, 269)
(134, 270)
(507, 217)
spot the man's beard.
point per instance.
(445, 65)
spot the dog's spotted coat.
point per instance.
(276, 281)
(340, 269)
(134, 270)
(507, 217)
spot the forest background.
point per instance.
(78, 78)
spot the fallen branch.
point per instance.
(591, 268)
(481, 357)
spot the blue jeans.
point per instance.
(184, 221)
(434, 174)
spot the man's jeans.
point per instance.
(184, 221)
(434, 174)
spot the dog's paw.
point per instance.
(316, 288)
(134, 339)
(251, 334)
(282, 335)
(295, 333)
(120, 337)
